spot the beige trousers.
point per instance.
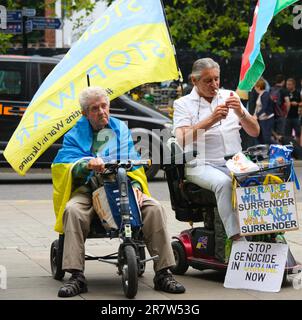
(77, 219)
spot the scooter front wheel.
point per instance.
(181, 264)
(129, 272)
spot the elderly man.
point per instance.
(92, 137)
(211, 117)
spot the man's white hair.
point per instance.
(91, 93)
(201, 64)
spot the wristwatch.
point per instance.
(243, 116)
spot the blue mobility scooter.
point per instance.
(205, 247)
(130, 258)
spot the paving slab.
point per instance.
(26, 234)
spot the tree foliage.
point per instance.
(202, 25)
(69, 7)
(73, 6)
(219, 25)
(5, 39)
(5, 42)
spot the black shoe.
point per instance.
(164, 281)
(74, 286)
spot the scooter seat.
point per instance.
(199, 196)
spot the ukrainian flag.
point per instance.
(77, 145)
(127, 46)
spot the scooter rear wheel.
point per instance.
(180, 259)
(129, 272)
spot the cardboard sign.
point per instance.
(256, 266)
(267, 208)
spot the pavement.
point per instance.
(26, 233)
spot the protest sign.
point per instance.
(256, 266)
(267, 208)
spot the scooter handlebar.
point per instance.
(126, 163)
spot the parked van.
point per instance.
(20, 78)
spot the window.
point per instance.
(45, 69)
(10, 82)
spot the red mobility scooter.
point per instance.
(205, 247)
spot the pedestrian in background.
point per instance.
(281, 104)
(293, 121)
(264, 112)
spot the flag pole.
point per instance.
(172, 43)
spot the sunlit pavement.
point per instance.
(26, 233)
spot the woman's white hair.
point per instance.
(91, 93)
(202, 64)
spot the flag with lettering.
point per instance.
(252, 65)
(127, 46)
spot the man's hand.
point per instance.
(138, 195)
(233, 102)
(96, 164)
(220, 112)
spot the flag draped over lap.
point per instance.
(252, 65)
(127, 46)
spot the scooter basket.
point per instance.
(106, 202)
(258, 177)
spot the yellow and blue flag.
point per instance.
(127, 46)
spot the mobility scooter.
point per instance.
(205, 247)
(130, 258)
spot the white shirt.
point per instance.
(219, 140)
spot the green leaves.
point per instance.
(69, 7)
(5, 42)
(72, 6)
(219, 25)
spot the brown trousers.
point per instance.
(77, 219)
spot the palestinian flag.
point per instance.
(252, 65)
